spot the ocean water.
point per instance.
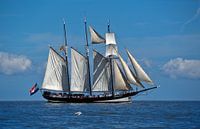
(138, 114)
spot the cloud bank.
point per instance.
(12, 64)
(182, 68)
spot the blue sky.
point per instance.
(164, 36)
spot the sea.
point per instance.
(135, 115)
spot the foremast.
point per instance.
(107, 75)
(111, 69)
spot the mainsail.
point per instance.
(129, 75)
(119, 80)
(111, 47)
(55, 76)
(101, 74)
(79, 72)
(140, 74)
(95, 37)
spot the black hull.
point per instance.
(84, 99)
(88, 99)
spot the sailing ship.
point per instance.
(111, 80)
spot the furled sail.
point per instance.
(101, 73)
(55, 76)
(95, 37)
(140, 74)
(79, 72)
(119, 80)
(129, 75)
(111, 47)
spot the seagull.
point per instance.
(78, 113)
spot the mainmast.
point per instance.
(65, 52)
(87, 55)
(110, 59)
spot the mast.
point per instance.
(87, 55)
(111, 71)
(65, 52)
(111, 74)
(108, 26)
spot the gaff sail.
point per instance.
(79, 72)
(55, 76)
(101, 73)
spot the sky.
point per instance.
(163, 35)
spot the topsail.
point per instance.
(95, 37)
(111, 47)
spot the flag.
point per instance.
(62, 48)
(34, 89)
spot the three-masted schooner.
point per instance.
(113, 79)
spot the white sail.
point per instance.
(95, 37)
(79, 72)
(140, 74)
(101, 74)
(119, 80)
(110, 38)
(55, 76)
(129, 75)
(111, 47)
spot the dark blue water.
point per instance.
(139, 114)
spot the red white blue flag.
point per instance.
(34, 89)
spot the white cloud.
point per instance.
(196, 15)
(11, 64)
(147, 63)
(182, 68)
